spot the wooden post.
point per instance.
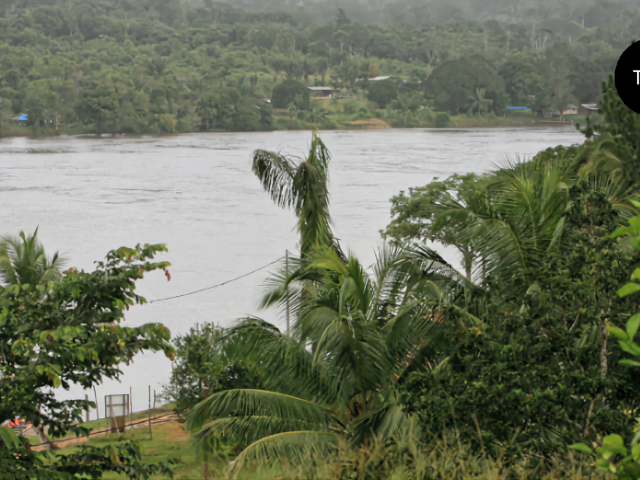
(150, 432)
(87, 413)
(97, 406)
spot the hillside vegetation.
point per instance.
(163, 67)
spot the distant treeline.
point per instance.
(157, 66)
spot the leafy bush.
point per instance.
(442, 119)
(288, 92)
(383, 92)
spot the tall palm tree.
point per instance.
(302, 185)
(368, 332)
(24, 261)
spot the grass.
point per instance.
(403, 458)
(169, 441)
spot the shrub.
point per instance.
(442, 119)
(383, 92)
(288, 92)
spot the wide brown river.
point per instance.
(197, 194)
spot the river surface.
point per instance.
(197, 194)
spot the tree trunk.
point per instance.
(603, 351)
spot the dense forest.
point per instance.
(164, 67)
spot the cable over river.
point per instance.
(197, 194)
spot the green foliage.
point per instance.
(383, 92)
(453, 86)
(442, 120)
(303, 186)
(64, 332)
(202, 367)
(288, 92)
(539, 373)
(19, 463)
(417, 217)
(627, 466)
(118, 66)
(23, 261)
(336, 377)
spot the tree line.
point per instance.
(118, 67)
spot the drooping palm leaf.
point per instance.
(295, 447)
(246, 403)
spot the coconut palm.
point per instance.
(337, 376)
(518, 213)
(24, 261)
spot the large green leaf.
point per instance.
(295, 447)
(247, 403)
(10, 439)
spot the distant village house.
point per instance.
(323, 92)
(588, 109)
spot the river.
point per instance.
(197, 194)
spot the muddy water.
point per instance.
(196, 193)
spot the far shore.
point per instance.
(462, 121)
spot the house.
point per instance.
(375, 79)
(324, 92)
(570, 109)
(587, 109)
(550, 112)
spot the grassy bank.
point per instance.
(404, 459)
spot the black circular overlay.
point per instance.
(628, 77)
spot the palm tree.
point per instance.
(337, 376)
(479, 103)
(302, 185)
(24, 261)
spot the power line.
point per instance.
(218, 285)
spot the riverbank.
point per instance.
(352, 122)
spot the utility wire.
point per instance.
(218, 285)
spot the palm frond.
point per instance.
(252, 428)
(246, 403)
(276, 173)
(295, 447)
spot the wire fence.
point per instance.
(167, 417)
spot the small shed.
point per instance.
(587, 109)
(550, 112)
(324, 92)
(570, 109)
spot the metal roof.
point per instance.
(322, 89)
